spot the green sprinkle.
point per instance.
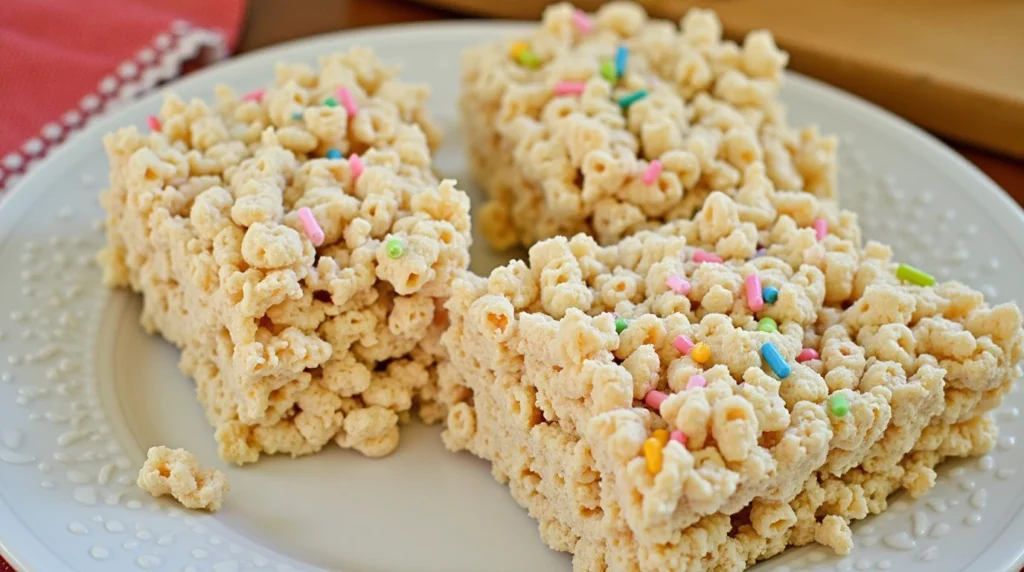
(608, 71)
(620, 325)
(529, 59)
(395, 248)
(767, 325)
(838, 405)
(331, 102)
(632, 98)
(297, 116)
(910, 274)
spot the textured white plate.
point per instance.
(84, 392)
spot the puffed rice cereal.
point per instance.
(565, 143)
(267, 254)
(635, 455)
(176, 472)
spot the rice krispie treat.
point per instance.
(615, 123)
(176, 472)
(701, 396)
(296, 244)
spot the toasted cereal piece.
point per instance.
(176, 472)
(617, 127)
(642, 407)
(295, 243)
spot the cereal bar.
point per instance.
(703, 395)
(296, 244)
(176, 472)
(614, 124)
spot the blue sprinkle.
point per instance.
(771, 354)
(621, 56)
(770, 294)
(333, 153)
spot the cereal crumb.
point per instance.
(176, 472)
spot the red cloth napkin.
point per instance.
(65, 61)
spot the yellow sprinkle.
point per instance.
(652, 452)
(661, 435)
(700, 353)
(517, 48)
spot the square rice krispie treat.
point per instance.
(701, 396)
(613, 123)
(295, 243)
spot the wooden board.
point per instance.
(955, 67)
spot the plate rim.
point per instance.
(31, 554)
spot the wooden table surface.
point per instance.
(274, 21)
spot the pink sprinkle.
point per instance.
(683, 344)
(355, 164)
(701, 256)
(582, 21)
(821, 228)
(678, 436)
(569, 87)
(654, 398)
(806, 354)
(348, 102)
(652, 173)
(254, 95)
(696, 381)
(313, 230)
(678, 284)
(154, 123)
(754, 299)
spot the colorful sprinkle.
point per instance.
(153, 122)
(701, 353)
(678, 436)
(608, 71)
(838, 405)
(529, 59)
(331, 102)
(760, 252)
(653, 172)
(654, 398)
(312, 228)
(517, 48)
(702, 256)
(254, 95)
(768, 325)
(910, 274)
(297, 116)
(678, 284)
(806, 354)
(652, 453)
(569, 87)
(661, 435)
(821, 229)
(582, 21)
(620, 325)
(632, 98)
(770, 294)
(755, 301)
(355, 164)
(771, 354)
(395, 248)
(333, 153)
(348, 102)
(683, 344)
(696, 381)
(621, 58)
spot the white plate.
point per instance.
(84, 392)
